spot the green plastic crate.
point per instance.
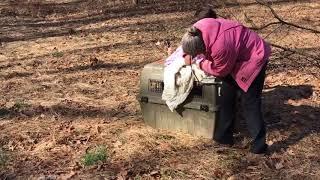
(196, 116)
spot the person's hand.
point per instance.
(187, 59)
(198, 59)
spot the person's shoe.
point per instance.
(223, 145)
(225, 142)
(262, 150)
(221, 148)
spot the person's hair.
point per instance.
(192, 42)
(205, 12)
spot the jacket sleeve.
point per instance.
(223, 57)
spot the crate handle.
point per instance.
(144, 99)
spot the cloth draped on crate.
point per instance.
(178, 79)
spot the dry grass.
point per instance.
(70, 87)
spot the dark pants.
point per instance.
(251, 108)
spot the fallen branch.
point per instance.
(299, 52)
(294, 51)
(264, 26)
(273, 31)
(283, 21)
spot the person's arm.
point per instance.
(224, 55)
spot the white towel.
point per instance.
(178, 81)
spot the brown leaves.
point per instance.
(117, 144)
(68, 176)
(277, 161)
(122, 174)
(279, 166)
(290, 152)
(94, 61)
(11, 146)
(218, 172)
(110, 69)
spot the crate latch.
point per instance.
(204, 108)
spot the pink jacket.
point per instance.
(232, 49)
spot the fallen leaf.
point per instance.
(218, 172)
(279, 166)
(117, 144)
(154, 173)
(68, 176)
(270, 143)
(98, 129)
(9, 105)
(267, 164)
(252, 167)
(290, 152)
(296, 112)
(234, 177)
(170, 50)
(122, 175)
(11, 146)
(42, 115)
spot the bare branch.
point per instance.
(283, 21)
(298, 52)
(264, 26)
(273, 31)
(294, 51)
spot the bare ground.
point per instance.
(70, 75)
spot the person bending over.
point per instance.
(238, 56)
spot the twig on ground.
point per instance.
(264, 26)
(283, 21)
(273, 31)
(317, 64)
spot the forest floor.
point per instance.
(69, 81)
